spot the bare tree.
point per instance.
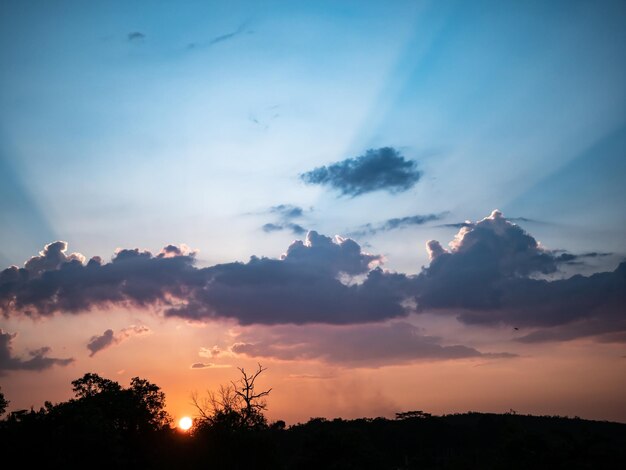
(254, 404)
(235, 405)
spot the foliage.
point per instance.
(102, 419)
(3, 403)
(107, 425)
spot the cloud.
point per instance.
(215, 351)
(136, 36)
(39, 359)
(492, 273)
(108, 338)
(51, 258)
(397, 223)
(222, 37)
(208, 365)
(296, 229)
(379, 169)
(225, 37)
(286, 213)
(98, 343)
(133, 278)
(302, 286)
(371, 345)
(469, 223)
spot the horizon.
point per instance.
(392, 207)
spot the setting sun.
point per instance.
(185, 423)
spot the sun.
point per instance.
(185, 423)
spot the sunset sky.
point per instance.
(392, 205)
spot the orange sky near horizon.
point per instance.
(577, 378)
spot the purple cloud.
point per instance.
(370, 345)
(39, 359)
(492, 273)
(109, 338)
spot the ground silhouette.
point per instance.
(107, 425)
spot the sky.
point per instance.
(393, 206)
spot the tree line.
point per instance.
(108, 425)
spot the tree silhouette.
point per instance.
(3, 403)
(234, 406)
(254, 405)
(91, 384)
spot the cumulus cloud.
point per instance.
(379, 169)
(38, 360)
(492, 273)
(109, 338)
(398, 223)
(51, 258)
(371, 345)
(303, 286)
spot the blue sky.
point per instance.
(167, 136)
(142, 124)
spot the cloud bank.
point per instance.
(379, 169)
(39, 359)
(371, 345)
(492, 273)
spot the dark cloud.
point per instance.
(108, 338)
(492, 273)
(302, 286)
(371, 345)
(243, 28)
(488, 251)
(98, 343)
(296, 229)
(467, 223)
(594, 254)
(287, 211)
(136, 36)
(398, 222)
(133, 278)
(379, 169)
(39, 359)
